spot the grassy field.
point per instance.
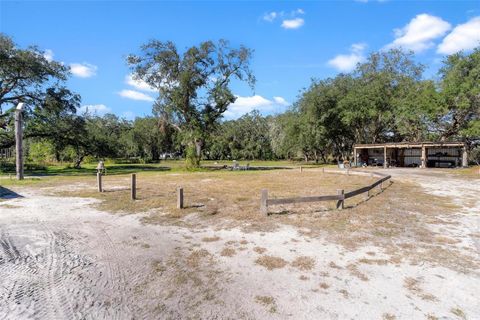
(124, 168)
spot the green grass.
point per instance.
(121, 168)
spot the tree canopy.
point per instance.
(193, 86)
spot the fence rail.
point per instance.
(339, 197)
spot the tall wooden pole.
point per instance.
(19, 140)
(134, 186)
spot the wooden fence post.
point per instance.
(19, 141)
(99, 181)
(301, 169)
(341, 202)
(180, 198)
(264, 202)
(323, 170)
(367, 195)
(133, 188)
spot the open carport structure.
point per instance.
(411, 154)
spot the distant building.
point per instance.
(412, 154)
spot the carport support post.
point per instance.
(341, 201)
(385, 157)
(464, 157)
(180, 198)
(424, 157)
(99, 181)
(19, 140)
(134, 186)
(354, 157)
(264, 202)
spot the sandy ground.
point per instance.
(62, 259)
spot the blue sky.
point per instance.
(293, 41)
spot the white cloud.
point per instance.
(300, 11)
(463, 37)
(293, 23)
(48, 55)
(138, 84)
(98, 109)
(135, 95)
(281, 101)
(348, 62)
(83, 70)
(270, 16)
(419, 33)
(247, 104)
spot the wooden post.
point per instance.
(99, 181)
(180, 198)
(264, 202)
(355, 157)
(385, 157)
(341, 202)
(323, 170)
(19, 140)
(367, 195)
(465, 157)
(301, 169)
(134, 186)
(424, 157)
(348, 171)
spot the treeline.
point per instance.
(386, 98)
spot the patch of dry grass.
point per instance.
(334, 265)
(388, 316)
(158, 266)
(260, 250)
(353, 269)
(413, 285)
(228, 252)
(194, 259)
(267, 301)
(324, 286)
(344, 293)
(9, 206)
(459, 313)
(271, 262)
(210, 239)
(303, 263)
(379, 262)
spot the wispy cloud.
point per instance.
(138, 84)
(270, 16)
(293, 23)
(348, 62)
(83, 70)
(290, 20)
(464, 36)
(419, 33)
(98, 109)
(247, 104)
(135, 95)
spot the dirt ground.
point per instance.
(62, 257)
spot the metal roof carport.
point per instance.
(423, 146)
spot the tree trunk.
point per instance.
(78, 162)
(198, 148)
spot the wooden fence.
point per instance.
(339, 197)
